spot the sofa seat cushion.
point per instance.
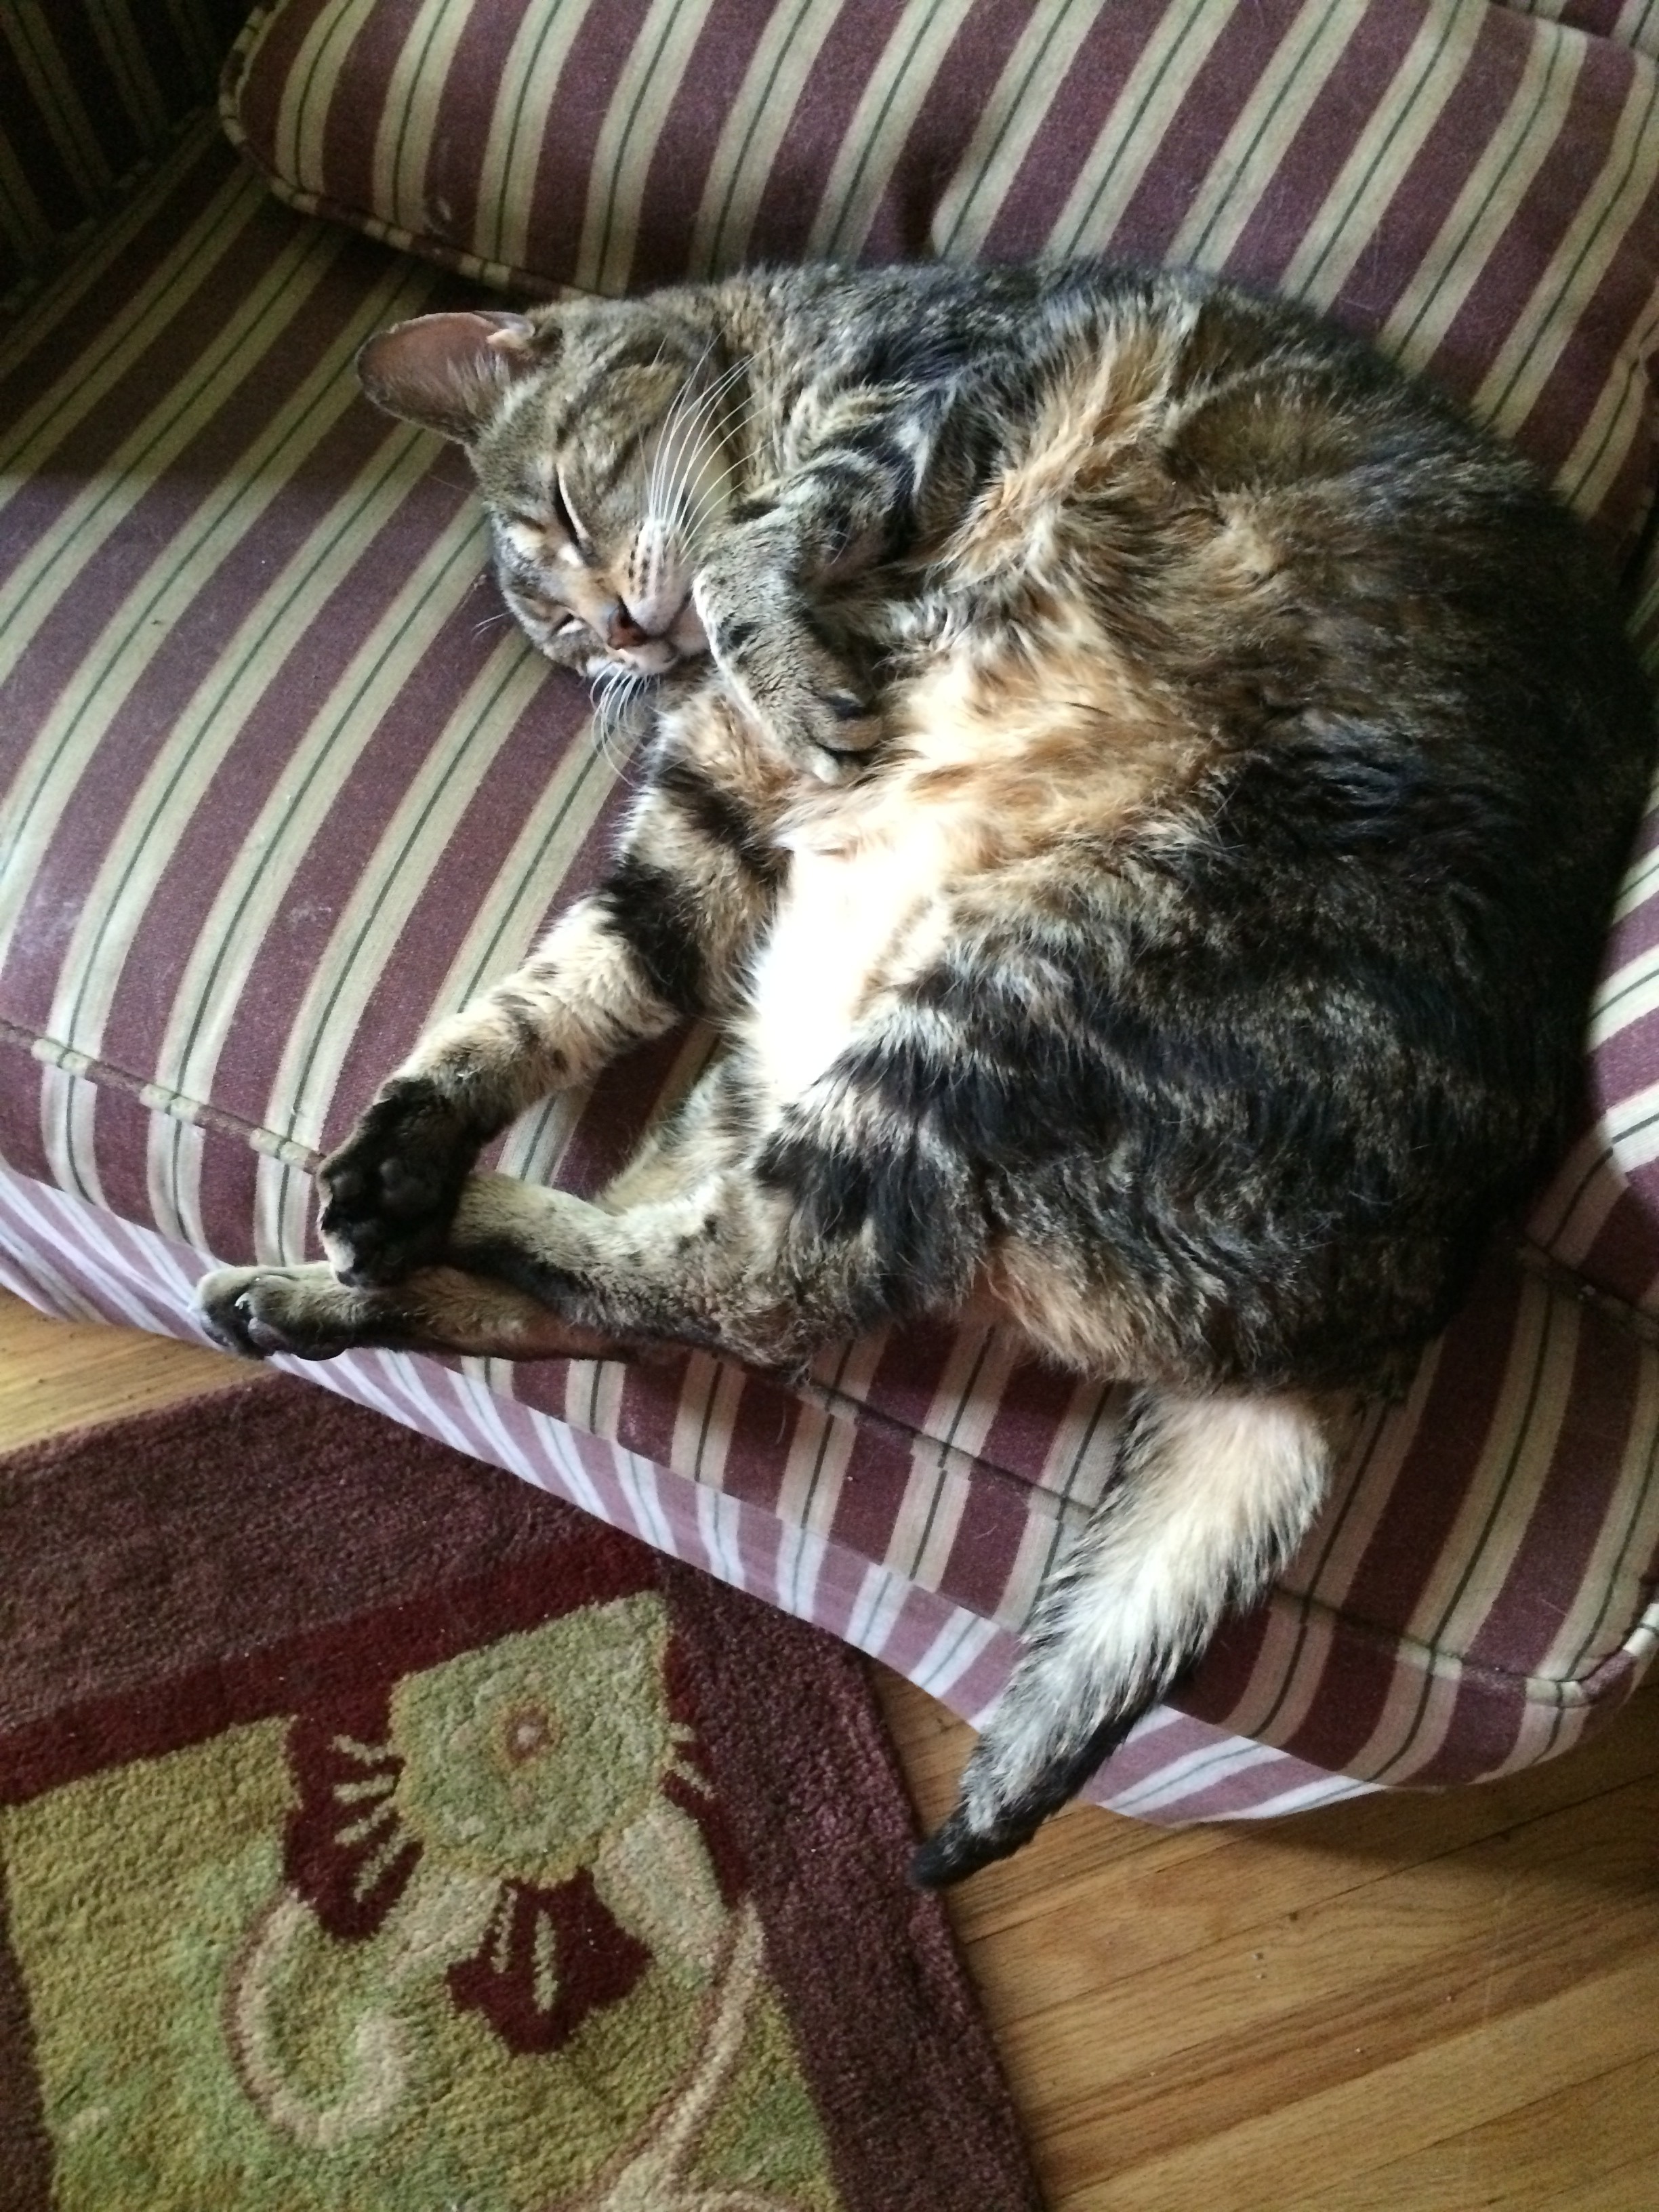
(278, 784)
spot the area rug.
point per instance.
(379, 1835)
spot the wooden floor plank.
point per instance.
(1402, 2003)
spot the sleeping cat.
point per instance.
(1139, 785)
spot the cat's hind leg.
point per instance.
(1210, 1494)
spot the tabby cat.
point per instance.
(1139, 785)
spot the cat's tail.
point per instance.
(1209, 1496)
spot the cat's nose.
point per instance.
(621, 629)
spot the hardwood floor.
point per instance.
(1403, 2004)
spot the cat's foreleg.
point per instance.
(848, 505)
(308, 1313)
(658, 941)
(1210, 1494)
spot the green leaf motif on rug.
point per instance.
(469, 1950)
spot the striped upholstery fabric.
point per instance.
(278, 784)
(1471, 185)
(91, 91)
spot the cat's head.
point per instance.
(597, 430)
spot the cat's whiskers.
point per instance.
(682, 424)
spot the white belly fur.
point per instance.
(848, 918)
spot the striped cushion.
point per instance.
(1470, 185)
(90, 92)
(277, 784)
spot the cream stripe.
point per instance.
(68, 1135)
(95, 514)
(297, 134)
(1324, 1570)
(1627, 995)
(507, 160)
(1247, 158)
(1430, 72)
(1475, 223)
(1134, 131)
(1625, 1544)
(1418, 1709)
(753, 132)
(1592, 241)
(621, 157)
(208, 999)
(409, 117)
(916, 46)
(394, 880)
(139, 629)
(205, 731)
(1622, 414)
(1015, 112)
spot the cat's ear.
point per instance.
(448, 372)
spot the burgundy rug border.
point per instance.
(820, 1744)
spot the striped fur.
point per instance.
(1141, 786)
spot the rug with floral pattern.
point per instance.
(378, 1835)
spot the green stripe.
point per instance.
(898, 82)
(1058, 18)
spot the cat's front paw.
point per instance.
(256, 1311)
(832, 733)
(389, 1193)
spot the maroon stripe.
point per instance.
(1406, 228)
(677, 173)
(1358, 89)
(647, 1407)
(762, 1435)
(212, 840)
(89, 323)
(946, 117)
(1624, 1259)
(558, 204)
(256, 83)
(1624, 510)
(613, 1121)
(21, 1075)
(873, 1486)
(228, 1198)
(1071, 130)
(359, 97)
(1533, 228)
(909, 1371)
(1192, 140)
(1357, 1671)
(387, 1007)
(1422, 1507)
(1546, 1586)
(1032, 1404)
(789, 200)
(1225, 1675)
(473, 88)
(85, 451)
(986, 1543)
(1488, 1713)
